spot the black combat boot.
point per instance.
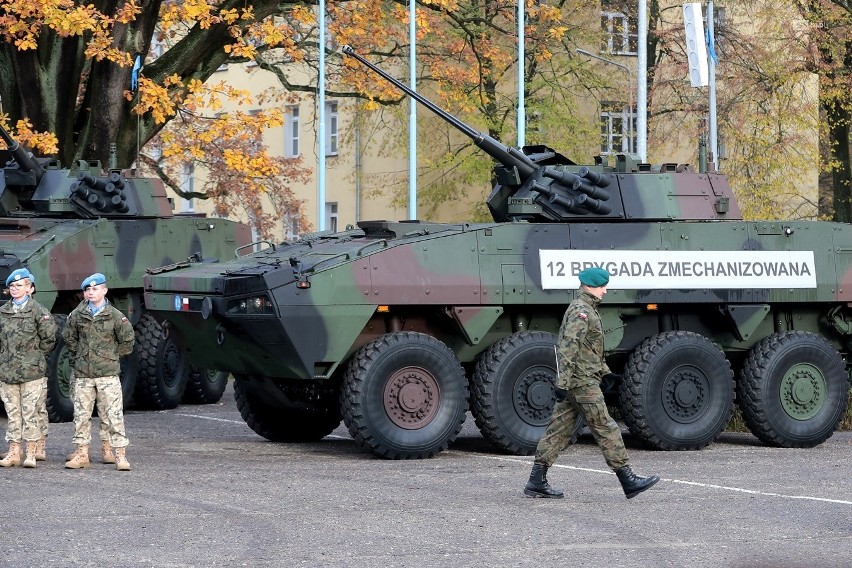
(632, 484)
(538, 486)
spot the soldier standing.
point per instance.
(581, 367)
(97, 336)
(27, 335)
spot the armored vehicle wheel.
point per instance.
(205, 386)
(163, 369)
(512, 391)
(793, 389)
(59, 405)
(677, 392)
(301, 411)
(404, 396)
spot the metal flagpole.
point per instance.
(642, 83)
(521, 71)
(412, 117)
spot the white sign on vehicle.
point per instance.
(681, 270)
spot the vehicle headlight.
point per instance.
(250, 306)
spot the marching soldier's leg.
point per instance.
(556, 436)
(608, 436)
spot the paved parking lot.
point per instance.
(206, 491)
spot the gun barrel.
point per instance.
(21, 155)
(507, 156)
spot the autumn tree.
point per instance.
(829, 46)
(71, 69)
(766, 107)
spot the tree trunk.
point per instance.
(841, 173)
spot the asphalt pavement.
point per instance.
(205, 490)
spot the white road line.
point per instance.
(213, 418)
(682, 482)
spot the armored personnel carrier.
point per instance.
(65, 224)
(398, 328)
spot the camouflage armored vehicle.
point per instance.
(399, 327)
(65, 224)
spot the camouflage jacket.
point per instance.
(26, 339)
(580, 351)
(97, 343)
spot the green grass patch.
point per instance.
(737, 424)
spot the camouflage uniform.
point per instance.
(96, 343)
(27, 336)
(580, 355)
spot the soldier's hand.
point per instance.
(561, 395)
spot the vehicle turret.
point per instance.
(41, 187)
(538, 184)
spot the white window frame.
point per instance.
(610, 114)
(331, 216)
(617, 24)
(291, 226)
(292, 124)
(331, 131)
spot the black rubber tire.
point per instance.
(59, 405)
(512, 390)
(677, 391)
(404, 378)
(163, 368)
(309, 420)
(764, 382)
(205, 386)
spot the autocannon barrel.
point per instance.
(509, 157)
(21, 155)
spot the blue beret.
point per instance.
(594, 277)
(18, 274)
(93, 280)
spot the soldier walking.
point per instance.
(27, 335)
(97, 336)
(581, 367)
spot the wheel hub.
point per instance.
(685, 392)
(533, 396)
(171, 365)
(803, 391)
(411, 398)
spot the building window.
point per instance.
(619, 24)
(187, 184)
(331, 217)
(291, 132)
(291, 227)
(331, 129)
(615, 129)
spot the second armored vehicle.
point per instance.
(65, 224)
(398, 328)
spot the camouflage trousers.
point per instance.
(587, 402)
(26, 407)
(106, 392)
(103, 432)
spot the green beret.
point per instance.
(594, 277)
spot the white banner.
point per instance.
(681, 270)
